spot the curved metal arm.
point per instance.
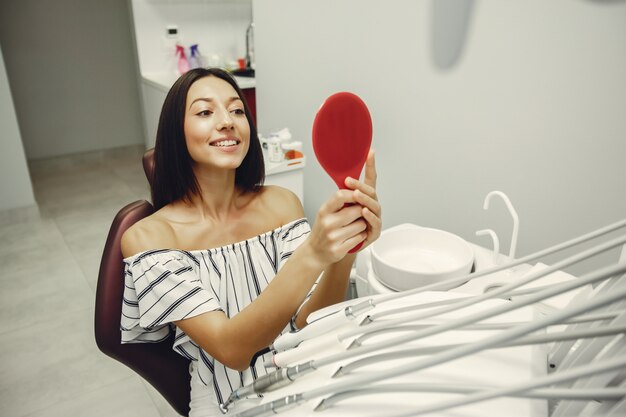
(495, 241)
(514, 215)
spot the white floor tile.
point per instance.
(89, 263)
(135, 177)
(35, 233)
(19, 215)
(41, 291)
(125, 156)
(49, 362)
(39, 275)
(125, 398)
(82, 192)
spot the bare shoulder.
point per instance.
(152, 232)
(283, 202)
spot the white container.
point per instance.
(409, 258)
(274, 150)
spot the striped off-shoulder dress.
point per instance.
(163, 286)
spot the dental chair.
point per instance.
(157, 363)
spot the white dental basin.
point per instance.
(411, 257)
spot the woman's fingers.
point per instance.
(370, 170)
(350, 243)
(372, 218)
(337, 201)
(350, 216)
(368, 186)
(346, 232)
(366, 197)
(348, 236)
(367, 201)
(335, 233)
(375, 225)
(354, 184)
(333, 223)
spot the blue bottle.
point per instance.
(194, 59)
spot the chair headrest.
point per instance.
(148, 164)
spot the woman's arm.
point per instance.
(331, 289)
(333, 285)
(234, 341)
(336, 230)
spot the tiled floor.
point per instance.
(49, 363)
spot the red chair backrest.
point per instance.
(148, 164)
(157, 363)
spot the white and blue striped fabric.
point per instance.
(163, 286)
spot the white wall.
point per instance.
(15, 186)
(534, 107)
(217, 26)
(72, 71)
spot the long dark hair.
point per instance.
(173, 178)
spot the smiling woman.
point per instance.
(191, 104)
(225, 261)
(217, 132)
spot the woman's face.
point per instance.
(217, 131)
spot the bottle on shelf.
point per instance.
(195, 60)
(183, 64)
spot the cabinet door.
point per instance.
(249, 94)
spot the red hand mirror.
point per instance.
(342, 135)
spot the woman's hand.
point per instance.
(338, 228)
(364, 195)
(349, 217)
